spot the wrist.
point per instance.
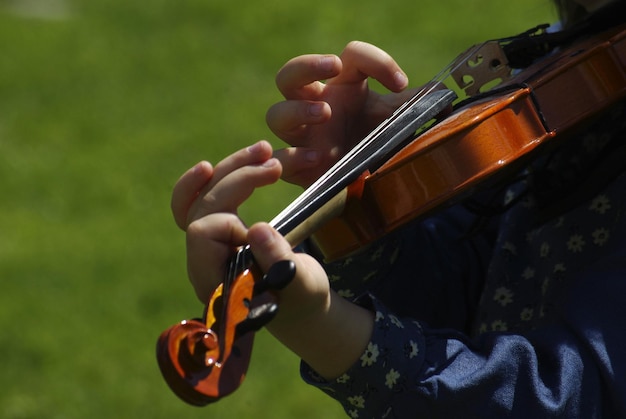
(329, 340)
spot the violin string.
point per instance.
(427, 88)
(371, 141)
(330, 177)
(339, 170)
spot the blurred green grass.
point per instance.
(103, 104)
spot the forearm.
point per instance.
(330, 341)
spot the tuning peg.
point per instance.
(277, 277)
(257, 318)
(263, 308)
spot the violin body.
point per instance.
(480, 142)
(484, 138)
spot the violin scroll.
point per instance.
(205, 360)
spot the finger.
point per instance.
(187, 189)
(309, 289)
(268, 246)
(299, 77)
(362, 60)
(298, 164)
(382, 106)
(234, 188)
(290, 119)
(210, 242)
(257, 153)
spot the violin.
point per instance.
(435, 150)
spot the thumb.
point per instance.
(268, 246)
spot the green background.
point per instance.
(103, 104)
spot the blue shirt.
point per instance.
(525, 318)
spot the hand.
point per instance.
(204, 204)
(312, 321)
(322, 121)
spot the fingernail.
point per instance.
(327, 63)
(262, 237)
(270, 163)
(400, 79)
(254, 148)
(312, 156)
(201, 167)
(316, 109)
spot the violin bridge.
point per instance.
(481, 68)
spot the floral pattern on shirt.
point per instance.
(378, 374)
(532, 265)
(526, 284)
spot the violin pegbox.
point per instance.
(262, 310)
(203, 360)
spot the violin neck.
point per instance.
(332, 208)
(324, 198)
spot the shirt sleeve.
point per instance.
(572, 367)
